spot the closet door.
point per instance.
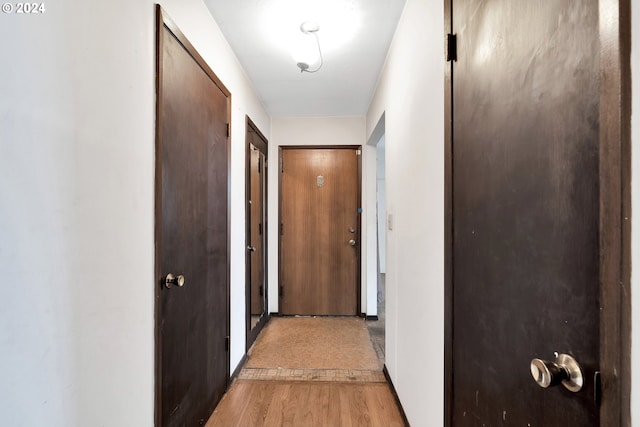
(526, 213)
(192, 262)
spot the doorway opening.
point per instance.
(377, 235)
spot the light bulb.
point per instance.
(305, 50)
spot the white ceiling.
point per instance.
(354, 36)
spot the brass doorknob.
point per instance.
(171, 280)
(564, 370)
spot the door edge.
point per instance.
(615, 211)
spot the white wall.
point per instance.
(77, 114)
(381, 205)
(410, 93)
(635, 207)
(312, 131)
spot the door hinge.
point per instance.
(358, 152)
(281, 165)
(452, 47)
(281, 291)
(226, 343)
(259, 166)
(597, 388)
(260, 229)
(228, 130)
(281, 229)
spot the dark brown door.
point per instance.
(256, 225)
(320, 231)
(191, 234)
(525, 209)
(256, 242)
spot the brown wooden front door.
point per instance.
(320, 241)
(192, 361)
(525, 205)
(256, 243)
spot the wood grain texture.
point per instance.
(319, 269)
(269, 403)
(191, 232)
(256, 219)
(256, 226)
(615, 213)
(448, 226)
(615, 210)
(525, 197)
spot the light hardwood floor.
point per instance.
(302, 404)
(308, 373)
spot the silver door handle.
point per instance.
(251, 248)
(564, 370)
(352, 242)
(171, 280)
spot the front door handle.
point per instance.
(352, 242)
(564, 370)
(251, 248)
(171, 280)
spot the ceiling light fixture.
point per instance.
(308, 53)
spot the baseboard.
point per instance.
(372, 318)
(238, 369)
(395, 396)
(274, 314)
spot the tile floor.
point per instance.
(377, 327)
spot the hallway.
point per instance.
(308, 371)
(78, 131)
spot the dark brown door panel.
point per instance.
(525, 206)
(192, 362)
